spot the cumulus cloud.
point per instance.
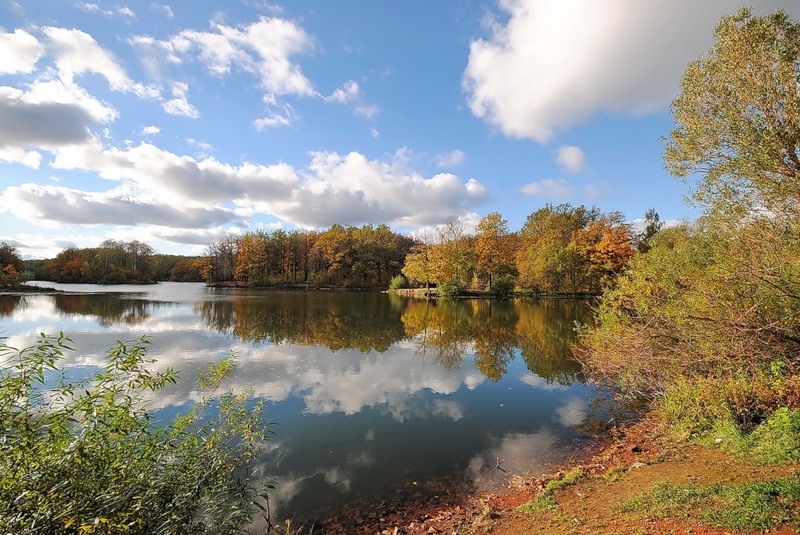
(263, 49)
(351, 189)
(333, 188)
(19, 52)
(546, 66)
(28, 158)
(570, 158)
(65, 205)
(37, 118)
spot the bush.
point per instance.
(397, 282)
(503, 286)
(452, 289)
(86, 457)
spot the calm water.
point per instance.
(371, 393)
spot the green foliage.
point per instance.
(738, 117)
(749, 507)
(707, 321)
(85, 456)
(503, 286)
(452, 288)
(397, 282)
(545, 500)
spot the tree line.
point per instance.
(116, 262)
(560, 250)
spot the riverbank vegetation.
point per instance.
(706, 324)
(86, 456)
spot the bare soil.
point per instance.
(640, 457)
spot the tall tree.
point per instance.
(738, 117)
(494, 249)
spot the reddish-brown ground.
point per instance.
(638, 454)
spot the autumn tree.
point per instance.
(495, 249)
(452, 258)
(11, 264)
(547, 260)
(607, 244)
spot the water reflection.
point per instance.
(333, 320)
(493, 331)
(370, 392)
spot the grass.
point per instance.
(545, 500)
(753, 506)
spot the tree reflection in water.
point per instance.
(493, 332)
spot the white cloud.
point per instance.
(450, 159)
(151, 130)
(94, 8)
(76, 52)
(30, 158)
(263, 48)
(165, 9)
(570, 158)
(334, 188)
(50, 114)
(350, 189)
(180, 104)
(548, 188)
(114, 207)
(19, 52)
(275, 119)
(548, 65)
(349, 92)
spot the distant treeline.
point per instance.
(115, 262)
(354, 257)
(560, 249)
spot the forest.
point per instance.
(559, 250)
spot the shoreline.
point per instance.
(632, 459)
(445, 505)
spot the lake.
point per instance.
(370, 393)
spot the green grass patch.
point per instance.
(753, 506)
(545, 500)
(614, 473)
(774, 441)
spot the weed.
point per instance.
(545, 500)
(753, 506)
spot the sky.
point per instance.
(180, 123)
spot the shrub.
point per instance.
(452, 289)
(397, 282)
(86, 457)
(503, 286)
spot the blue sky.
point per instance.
(179, 123)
